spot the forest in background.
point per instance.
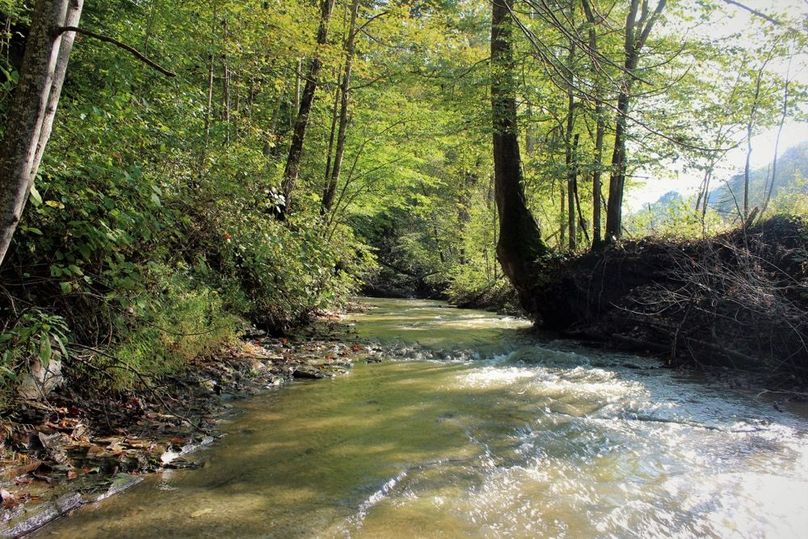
(261, 162)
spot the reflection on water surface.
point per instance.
(530, 440)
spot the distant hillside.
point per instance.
(791, 165)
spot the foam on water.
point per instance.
(483, 435)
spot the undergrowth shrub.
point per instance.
(155, 274)
(32, 336)
(180, 320)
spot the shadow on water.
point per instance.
(532, 441)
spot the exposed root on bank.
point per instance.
(739, 300)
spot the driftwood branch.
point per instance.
(133, 51)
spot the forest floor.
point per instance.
(81, 446)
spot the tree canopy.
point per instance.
(227, 160)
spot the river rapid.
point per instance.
(475, 428)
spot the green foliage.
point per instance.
(180, 320)
(151, 230)
(152, 225)
(793, 199)
(34, 335)
(676, 217)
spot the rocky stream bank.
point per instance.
(79, 447)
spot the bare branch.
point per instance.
(106, 39)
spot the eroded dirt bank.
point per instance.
(738, 300)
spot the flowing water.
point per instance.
(503, 436)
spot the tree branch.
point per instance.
(137, 54)
(754, 12)
(758, 13)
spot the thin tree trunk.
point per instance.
(279, 100)
(530, 138)
(226, 97)
(236, 90)
(30, 118)
(350, 50)
(463, 207)
(614, 209)
(575, 172)
(617, 180)
(562, 216)
(519, 246)
(209, 109)
(705, 201)
(71, 19)
(251, 95)
(783, 115)
(292, 169)
(746, 168)
(749, 128)
(568, 159)
(332, 134)
(298, 91)
(637, 32)
(600, 128)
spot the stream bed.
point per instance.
(473, 427)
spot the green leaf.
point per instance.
(66, 287)
(45, 351)
(61, 345)
(35, 196)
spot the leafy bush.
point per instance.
(34, 335)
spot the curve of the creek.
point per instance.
(495, 434)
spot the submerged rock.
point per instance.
(308, 374)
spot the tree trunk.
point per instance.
(783, 115)
(226, 97)
(562, 216)
(637, 32)
(209, 108)
(350, 49)
(568, 158)
(292, 170)
(30, 118)
(519, 246)
(600, 128)
(575, 194)
(746, 169)
(332, 133)
(464, 207)
(296, 96)
(617, 180)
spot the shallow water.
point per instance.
(530, 439)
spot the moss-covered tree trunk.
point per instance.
(520, 246)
